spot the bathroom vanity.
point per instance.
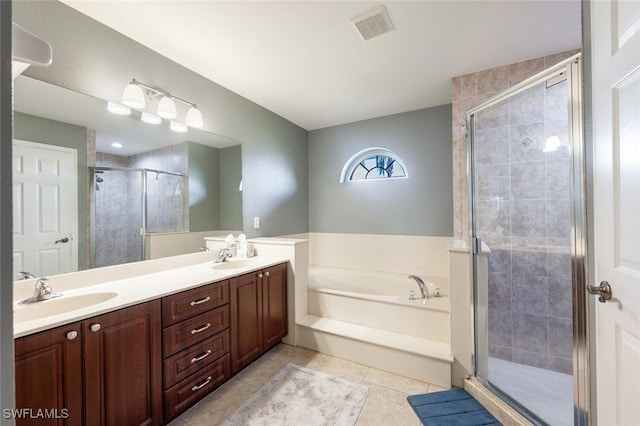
(148, 362)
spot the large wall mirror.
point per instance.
(90, 186)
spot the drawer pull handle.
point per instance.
(95, 327)
(201, 329)
(201, 357)
(201, 385)
(197, 302)
(266, 274)
(72, 335)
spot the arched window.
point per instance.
(373, 163)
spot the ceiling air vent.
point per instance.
(373, 23)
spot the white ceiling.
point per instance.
(305, 61)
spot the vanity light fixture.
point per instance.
(135, 94)
(150, 118)
(118, 109)
(176, 126)
(167, 108)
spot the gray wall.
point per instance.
(37, 129)
(94, 59)
(204, 187)
(230, 196)
(419, 205)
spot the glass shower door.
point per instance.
(522, 222)
(117, 217)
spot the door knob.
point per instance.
(603, 291)
(63, 240)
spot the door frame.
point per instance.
(580, 266)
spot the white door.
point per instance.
(45, 212)
(615, 38)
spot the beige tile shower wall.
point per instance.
(401, 254)
(468, 91)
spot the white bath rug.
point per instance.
(300, 396)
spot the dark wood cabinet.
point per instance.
(48, 371)
(258, 302)
(274, 306)
(196, 345)
(146, 364)
(106, 370)
(123, 367)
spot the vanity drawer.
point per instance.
(187, 304)
(184, 394)
(191, 331)
(191, 360)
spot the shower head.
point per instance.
(99, 179)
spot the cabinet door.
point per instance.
(123, 367)
(274, 305)
(48, 368)
(246, 320)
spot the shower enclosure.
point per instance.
(526, 174)
(129, 203)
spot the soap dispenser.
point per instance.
(242, 246)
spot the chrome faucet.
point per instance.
(24, 275)
(223, 255)
(43, 291)
(423, 287)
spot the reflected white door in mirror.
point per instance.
(45, 209)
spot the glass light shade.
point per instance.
(176, 126)
(118, 109)
(167, 108)
(194, 117)
(150, 118)
(133, 96)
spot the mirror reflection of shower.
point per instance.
(99, 179)
(129, 203)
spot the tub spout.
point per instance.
(423, 287)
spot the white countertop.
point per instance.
(130, 291)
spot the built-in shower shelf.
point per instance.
(414, 357)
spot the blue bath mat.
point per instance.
(454, 407)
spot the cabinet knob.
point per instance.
(72, 335)
(260, 275)
(266, 274)
(95, 327)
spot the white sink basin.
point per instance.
(233, 264)
(59, 305)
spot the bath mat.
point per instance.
(455, 407)
(300, 396)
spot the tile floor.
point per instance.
(386, 403)
(548, 394)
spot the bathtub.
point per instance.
(379, 300)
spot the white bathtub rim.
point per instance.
(431, 303)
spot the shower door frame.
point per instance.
(143, 208)
(572, 69)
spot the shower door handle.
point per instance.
(63, 240)
(603, 291)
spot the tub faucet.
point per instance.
(223, 255)
(423, 287)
